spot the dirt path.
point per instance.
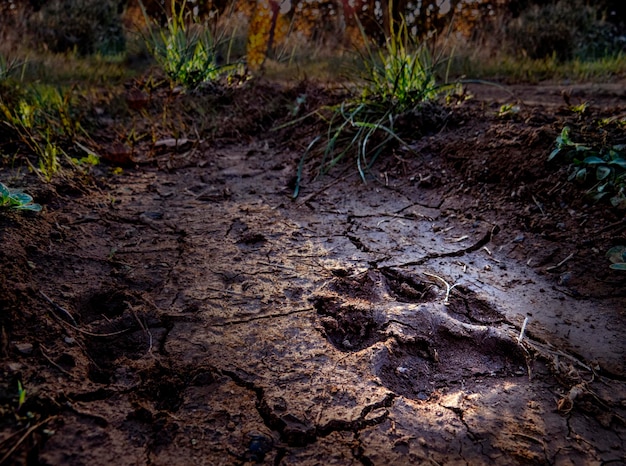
(200, 316)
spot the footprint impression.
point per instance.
(419, 344)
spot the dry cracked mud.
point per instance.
(199, 315)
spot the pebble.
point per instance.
(24, 348)
(14, 366)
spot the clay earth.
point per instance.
(190, 311)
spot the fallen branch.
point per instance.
(554, 267)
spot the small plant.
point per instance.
(605, 168)
(18, 200)
(617, 256)
(507, 110)
(580, 109)
(43, 120)
(399, 78)
(21, 395)
(186, 51)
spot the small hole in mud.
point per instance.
(470, 308)
(106, 304)
(363, 286)
(99, 375)
(407, 289)
(348, 327)
(407, 369)
(164, 387)
(66, 361)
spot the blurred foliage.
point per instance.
(84, 26)
(294, 31)
(279, 30)
(565, 30)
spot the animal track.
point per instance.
(425, 346)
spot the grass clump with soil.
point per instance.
(186, 49)
(42, 127)
(397, 80)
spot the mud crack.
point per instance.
(356, 241)
(295, 432)
(359, 452)
(363, 421)
(483, 241)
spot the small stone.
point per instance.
(24, 348)
(564, 278)
(14, 367)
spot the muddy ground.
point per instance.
(189, 311)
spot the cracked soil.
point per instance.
(190, 312)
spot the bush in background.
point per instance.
(86, 26)
(565, 30)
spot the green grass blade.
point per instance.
(296, 190)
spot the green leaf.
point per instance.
(21, 198)
(563, 138)
(4, 191)
(617, 254)
(554, 153)
(602, 172)
(618, 266)
(618, 162)
(619, 201)
(31, 207)
(581, 175)
(593, 160)
(597, 196)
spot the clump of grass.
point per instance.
(186, 50)
(40, 120)
(8, 67)
(398, 79)
(401, 73)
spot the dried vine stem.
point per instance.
(449, 287)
